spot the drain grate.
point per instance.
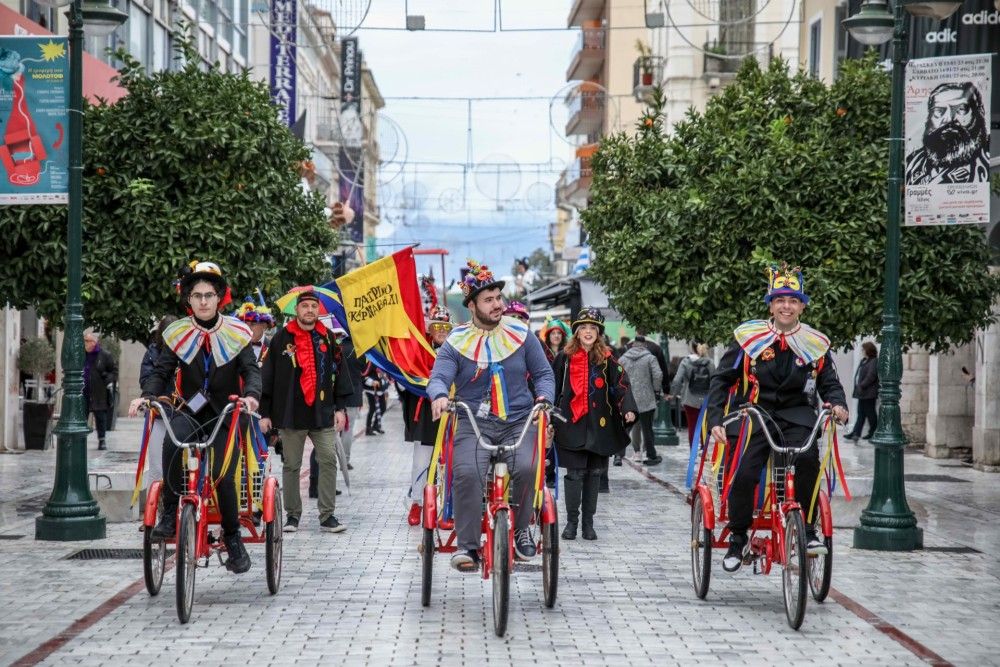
(954, 550)
(934, 478)
(107, 554)
(11, 537)
(528, 567)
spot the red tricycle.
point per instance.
(778, 532)
(260, 503)
(497, 545)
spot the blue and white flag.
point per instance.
(583, 261)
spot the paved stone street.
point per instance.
(354, 598)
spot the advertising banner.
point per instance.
(34, 84)
(284, 32)
(351, 167)
(947, 140)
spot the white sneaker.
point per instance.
(815, 547)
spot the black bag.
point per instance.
(700, 378)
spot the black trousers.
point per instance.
(198, 427)
(646, 431)
(741, 496)
(374, 418)
(866, 412)
(100, 419)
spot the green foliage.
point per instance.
(36, 357)
(778, 167)
(191, 164)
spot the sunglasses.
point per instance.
(438, 327)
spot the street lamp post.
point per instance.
(71, 512)
(888, 524)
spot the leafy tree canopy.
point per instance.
(191, 164)
(778, 167)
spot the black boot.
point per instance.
(239, 559)
(591, 488)
(166, 528)
(573, 491)
(604, 487)
(313, 490)
(102, 445)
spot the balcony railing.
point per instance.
(587, 56)
(586, 112)
(574, 184)
(725, 59)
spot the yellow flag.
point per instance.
(374, 304)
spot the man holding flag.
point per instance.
(489, 361)
(304, 394)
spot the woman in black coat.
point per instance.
(593, 393)
(866, 391)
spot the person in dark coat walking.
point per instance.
(100, 372)
(592, 391)
(866, 391)
(304, 388)
(154, 455)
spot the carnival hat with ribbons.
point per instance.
(518, 310)
(254, 313)
(785, 281)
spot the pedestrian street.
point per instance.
(354, 598)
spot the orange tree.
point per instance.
(777, 167)
(191, 164)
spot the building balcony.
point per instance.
(647, 73)
(724, 60)
(584, 10)
(588, 54)
(586, 111)
(574, 184)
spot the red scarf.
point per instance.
(579, 382)
(304, 357)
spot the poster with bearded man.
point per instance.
(948, 140)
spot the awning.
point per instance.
(98, 77)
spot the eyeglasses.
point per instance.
(436, 328)
(207, 296)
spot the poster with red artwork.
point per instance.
(34, 120)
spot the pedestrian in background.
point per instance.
(153, 350)
(691, 383)
(304, 389)
(100, 372)
(592, 391)
(646, 380)
(866, 391)
(375, 387)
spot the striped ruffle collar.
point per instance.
(755, 336)
(489, 347)
(227, 338)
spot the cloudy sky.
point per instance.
(481, 187)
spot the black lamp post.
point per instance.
(71, 512)
(888, 524)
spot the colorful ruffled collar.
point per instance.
(228, 337)
(755, 336)
(489, 347)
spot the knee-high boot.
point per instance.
(573, 491)
(591, 488)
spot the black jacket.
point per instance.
(602, 430)
(782, 386)
(241, 377)
(866, 379)
(103, 371)
(282, 400)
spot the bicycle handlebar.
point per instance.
(159, 407)
(538, 408)
(751, 410)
